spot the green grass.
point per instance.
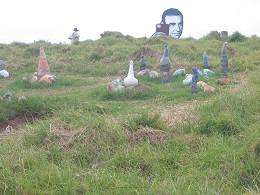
(80, 138)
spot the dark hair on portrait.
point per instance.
(171, 12)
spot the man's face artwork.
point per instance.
(175, 25)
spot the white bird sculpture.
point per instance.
(130, 81)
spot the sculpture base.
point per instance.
(166, 77)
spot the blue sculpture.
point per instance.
(142, 64)
(194, 86)
(205, 61)
(195, 73)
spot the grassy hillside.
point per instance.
(76, 137)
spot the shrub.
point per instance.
(237, 37)
(95, 56)
(213, 35)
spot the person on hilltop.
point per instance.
(74, 37)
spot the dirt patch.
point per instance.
(22, 118)
(155, 136)
(139, 87)
(147, 134)
(145, 51)
(64, 133)
(179, 113)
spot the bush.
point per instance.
(212, 35)
(237, 37)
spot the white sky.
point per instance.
(53, 20)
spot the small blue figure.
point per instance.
(194, 86)
(205, 61)
(142, 64)
(195, 73)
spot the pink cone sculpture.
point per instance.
(43, 67)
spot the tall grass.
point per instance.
(88, 140)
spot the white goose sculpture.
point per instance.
(130, 81)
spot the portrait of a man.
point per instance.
(171, 24)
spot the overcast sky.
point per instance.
(53, 20)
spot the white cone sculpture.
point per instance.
(130, 81)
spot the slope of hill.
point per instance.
(76, 137)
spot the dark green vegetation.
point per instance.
(76, 137)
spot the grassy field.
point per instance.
(76, 137)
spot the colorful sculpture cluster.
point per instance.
(116, 85)
(165, 65)
(130, 82)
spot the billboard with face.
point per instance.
(171, 24)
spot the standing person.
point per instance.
(171, 24)
(74, 37)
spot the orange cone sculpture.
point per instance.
(43, 67)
